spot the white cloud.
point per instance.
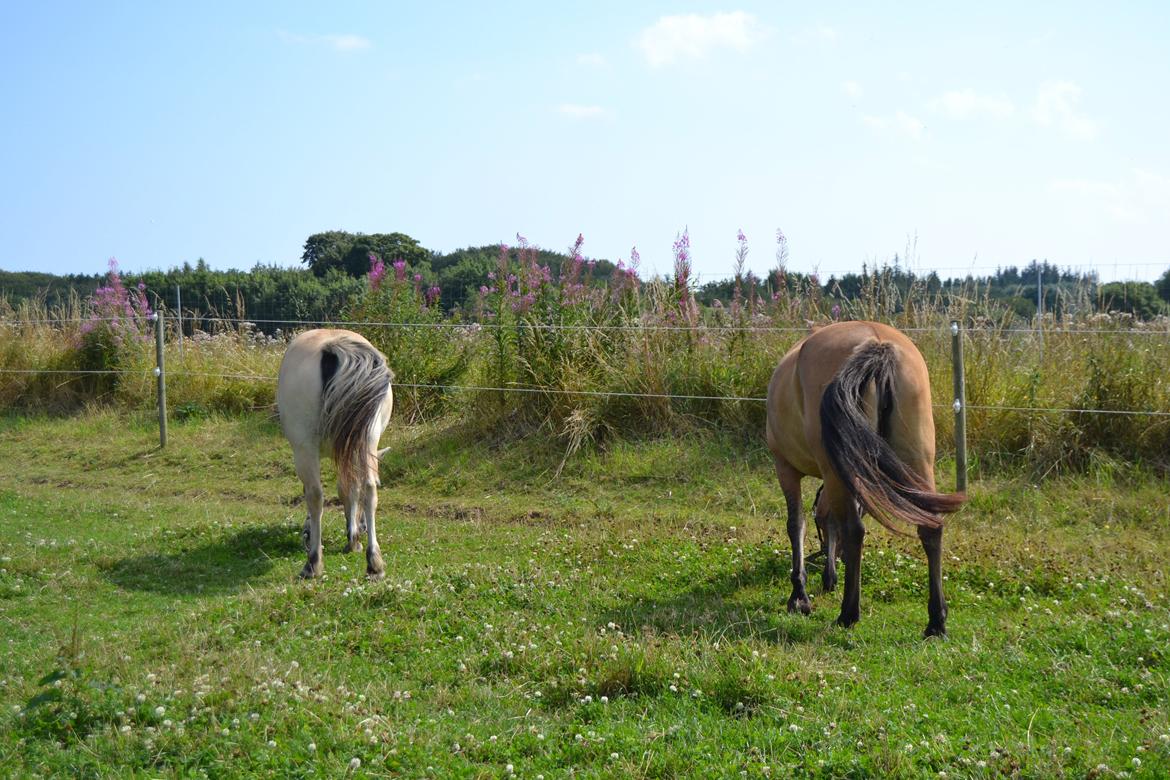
(852, 89)
(348, 42)
(820, 34)
(1137, 199)
(968, 104)
(1056, 106)
(901, 123)
(591, 60)
(827, 33)
(575, 111)
(692, 36)
(338, 42)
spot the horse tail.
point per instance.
(354, 383)
(862, 457)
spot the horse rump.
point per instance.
(886, 486)
(354, 382)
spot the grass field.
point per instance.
(625, 618)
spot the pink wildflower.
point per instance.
(377, 272)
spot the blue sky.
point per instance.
(993, 133)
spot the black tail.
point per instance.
(355, 380)
(886, 487)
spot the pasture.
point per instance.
(623, 617)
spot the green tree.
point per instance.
(1163, 286)
(389, 247)
(350, 252)
(326, 250)
(1137, 298)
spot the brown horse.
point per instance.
(850, 404)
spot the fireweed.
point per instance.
(114, 332)
(419, 351)
(561, 333)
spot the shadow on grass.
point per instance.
(220, 566)
(745, 604)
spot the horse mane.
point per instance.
(354, 382)
(862, 457)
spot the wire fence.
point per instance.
(1156, 329)
(564, 391)
(1162, 330)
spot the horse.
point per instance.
(334, 394)
(850, 404)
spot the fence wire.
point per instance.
(597, 393)
(678, 397)
(705, 327)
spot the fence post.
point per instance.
(179, 322)
(960, 407)
(160, 372)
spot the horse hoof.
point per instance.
(375, 568)
(935, 631)
(829, 584)
(847, 621)
(310, 571)
(799, 605)
(354, 546)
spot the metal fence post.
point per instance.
(960, 407)
(160, 372)
(179, 322)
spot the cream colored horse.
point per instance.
(334, 395)
(851, 404)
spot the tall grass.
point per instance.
(587, 362)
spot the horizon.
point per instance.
(977, 141)
(700, 279)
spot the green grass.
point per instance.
(625, 618)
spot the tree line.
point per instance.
(335, 264)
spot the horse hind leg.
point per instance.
(375, 566)
(852, 532)
(308, 466)
(351, 500)
(937, 604)
(790, 484)
(829, 533)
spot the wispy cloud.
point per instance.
(1056, 107)
(337, 42)
(592, 60)
(969, 104)
(901, 123)
(1134, 199)
(577, 111)
(816, 35)
(693, 36)
(852, 89)
(827, 33)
